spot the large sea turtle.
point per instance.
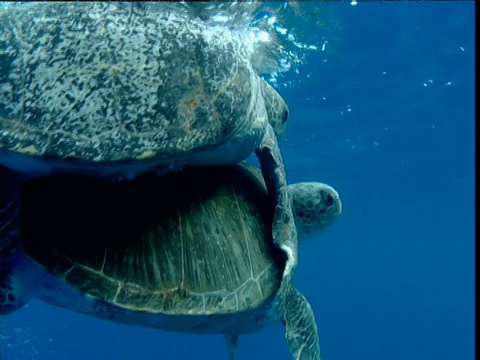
(157, 251)
(120, 88)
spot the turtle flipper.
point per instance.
(276, 108)
(232, 343)
(283, 229)
(9, 299)
(22, 280)
(300, 327)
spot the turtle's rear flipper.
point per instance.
(21, 280)
(300, 327)
(10, 299)
(283, 228)
(232, 343)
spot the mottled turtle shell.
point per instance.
(167, 244)
(108, 82)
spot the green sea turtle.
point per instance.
(121, 88)
(159, 252)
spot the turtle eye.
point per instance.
(285, 116)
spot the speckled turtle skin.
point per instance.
(158, 252)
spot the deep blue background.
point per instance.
(388, 119)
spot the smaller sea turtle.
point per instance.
(158, 252)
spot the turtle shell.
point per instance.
(159, 244)
(108, 82)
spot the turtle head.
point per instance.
(276, 107)
(315, 206)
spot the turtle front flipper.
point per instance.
(22, 280)
(300, 327)
(283, 228)
(276, 108)
(9, 299)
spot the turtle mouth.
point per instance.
(328, 199)
(332, 201)
(285, 117)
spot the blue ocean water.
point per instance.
(386, 115)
